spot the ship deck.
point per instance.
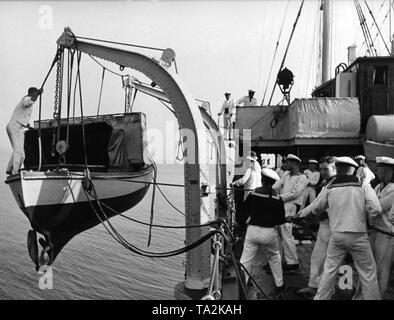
(297, 280)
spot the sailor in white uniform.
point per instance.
(227, 110)
(15, 129)
(247, 101)
(383, 244)
(252, 177)
(265, 210)
(349, 203)
(292, 187)
(363, 172)
(319, 252)
(313, 176)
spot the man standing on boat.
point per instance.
(227, 110)
(349, 204)
(363, 172)
(248, 101)
(15, 129)
(313, 175)
(265, 210)
(252, 177)
(319, 253)
(293, 185)
(381, 242)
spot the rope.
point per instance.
(117, 237)
(377, 27)
(153, 198)
(180, 148)
(121, 43)
(102, 66)
(80, 102)
(101, 91)
(275, 52)
(365, 29)
(168, 201)
(373, 23)
(254, 281)
(69, 83)
(287, 48)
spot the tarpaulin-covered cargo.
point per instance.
(380, 129)
(113, 142)
(324, 118)
(303, 118)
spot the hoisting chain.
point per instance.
(57, 85)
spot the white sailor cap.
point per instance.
(293, 157)
(360, 157)
(269, 173)
(251, 158)
(384, 161)
(313, 161)
(346, 160)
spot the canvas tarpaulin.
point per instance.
(114, 142)
(303, 118)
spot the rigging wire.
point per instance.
(275, 52)
(367, 34)
(79, 55)
(101, 91)
(380, 9)
(287, 48)
(313, 54)
(377, 27)
(120, 43)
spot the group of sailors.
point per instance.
(354, 219)
(228, 109)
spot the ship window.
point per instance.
(380, 75)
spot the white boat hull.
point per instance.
(57, 206)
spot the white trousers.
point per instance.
(227, 125)
(267, 238)
(289, 243)
(16, 135)
(319, 254)
(383, 249)
(357, 244)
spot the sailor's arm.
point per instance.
(242, 181)
(309, 209)
(296, 191)
(320, 204)
(372, 205)
(27, 102)
(222, 109)
(314, 178)
(386, 202)
(391, 214)
(241, 100)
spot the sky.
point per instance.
(220, 46)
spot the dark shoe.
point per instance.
(279, 293)
(307, 292)
(291, 267)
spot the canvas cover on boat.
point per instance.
(113, 142)
(303, 118)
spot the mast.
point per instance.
(326, 45)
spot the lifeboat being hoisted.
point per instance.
(54, 198)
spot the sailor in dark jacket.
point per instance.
(265, 210)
